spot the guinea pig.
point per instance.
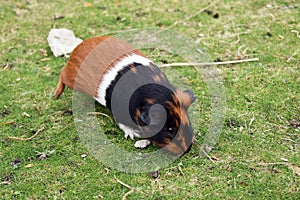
(98, 66)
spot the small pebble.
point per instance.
(154, 174)
(141, 144)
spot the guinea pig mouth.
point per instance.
(188, 149)
(173, 147)
(180, 144)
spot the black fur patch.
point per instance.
(142, 99)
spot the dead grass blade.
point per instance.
(30, 138)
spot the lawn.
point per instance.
(257, 153)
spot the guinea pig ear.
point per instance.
(191, 95)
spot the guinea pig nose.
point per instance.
(188, 149)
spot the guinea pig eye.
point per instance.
(170, 132)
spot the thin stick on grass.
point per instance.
(30, 138)
(187, 18)
(274, 163)
(241, 54)
(126, 185)
(100, 113)
(292, 56)
(179, 168)
(288, 139)
(209, 63)
(251, 120)
(208, 156)
(7, 123)
(238, 36)
(293, 167)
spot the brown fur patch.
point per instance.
(174, 148)
(157, 78)
(137, 115)
(162, 75)
(150, 100)
(90, 61)
(134, 70)
(177, 110)
(80, 53)
(166, 141)
(184, 98)
(184, 120)
(152, 66)
(180, 137)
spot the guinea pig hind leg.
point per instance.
(59, 89)
(129, 131)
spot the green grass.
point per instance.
(248, 158)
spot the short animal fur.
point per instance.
(96, 67)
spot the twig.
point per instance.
(7, 123)
(200, 11)
(274, 163)
(99, 113)
(292, 56)
(128, 186)
(30, 138)
(106, 170)
(294, 168)
(210, 63)
(241, 55)
(234, 183)
(297, 33)
(188, 18)
(290, 140)
(238, 36)
(208, 156)
(179, 168)
(251, 120)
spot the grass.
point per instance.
(249, 162)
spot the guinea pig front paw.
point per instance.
(129, 132)
(141, 144)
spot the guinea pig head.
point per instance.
(176, 134)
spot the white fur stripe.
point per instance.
(113, 72)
